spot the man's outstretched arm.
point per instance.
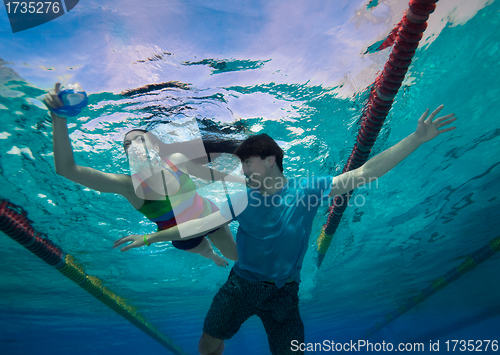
(428, 128)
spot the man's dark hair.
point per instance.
(260, 145)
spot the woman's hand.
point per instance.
(429, 128)
(136, 239)
(51, 100)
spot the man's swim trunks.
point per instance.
(278, 308)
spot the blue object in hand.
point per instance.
(74, 100)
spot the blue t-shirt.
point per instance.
(274, 230)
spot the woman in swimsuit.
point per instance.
(159, 187)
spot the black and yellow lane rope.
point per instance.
(14, 222)
(472, 260)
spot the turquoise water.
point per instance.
(296, 71)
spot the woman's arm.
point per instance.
(187, 230)
(65, 162)
(428, 128)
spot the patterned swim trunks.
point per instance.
(278, 308)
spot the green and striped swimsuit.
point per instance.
(184, 205)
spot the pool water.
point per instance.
(299, 72)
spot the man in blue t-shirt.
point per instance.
(273, 234)
(275, 217)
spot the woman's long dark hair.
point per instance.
(211, 144)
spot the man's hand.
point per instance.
(429, 128)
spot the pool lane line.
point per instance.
(404, 38)
(14, 222)
(472, 260)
